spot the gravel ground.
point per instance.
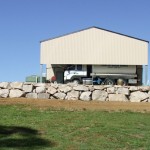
(78, 105)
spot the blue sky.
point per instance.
(24, 23)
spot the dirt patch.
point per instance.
(78, 105)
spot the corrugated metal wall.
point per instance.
(94, 46)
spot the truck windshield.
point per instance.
(71, 67)
(79, 67)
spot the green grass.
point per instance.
(29, 128)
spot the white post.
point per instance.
(146, 74)
(41, 71)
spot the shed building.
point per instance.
(93, 46)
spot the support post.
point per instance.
(146, 74)
(41, 71)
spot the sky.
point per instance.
(24, 23)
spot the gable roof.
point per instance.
(96, 28)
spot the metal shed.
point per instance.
(93, 46)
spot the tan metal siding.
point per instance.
(94, 46)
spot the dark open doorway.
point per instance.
(60, 76)
(89, 70)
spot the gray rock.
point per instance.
(73, 95)
(54, 85)
(91, 88)
(28, 83)
(99, 95)
(123, 90)
(52, 97)
(144, 88)
(133, 88)
(16, 85)
(4, 93)
(60, 95)
(118, 97)
(72, 84)
(65, 88)
(117, 86)
(34, 90)
(40, 89)
(99, 87)
(39, 85)
(43, 96)
(51, 90)
(85, 96)
(81, 88)
(138, 96)
(149, 94)
(27, 88)
(31, 95)
(111, 90)
(107, 86)
(4, 85)
(47, 85)
(16, 93)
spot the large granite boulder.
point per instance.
(144, 88)
(85, 96)
(47, 85)
(118, 97)
(4, 93)
(31, 95)
(99, 87)
(138, 96)
(60, 95)
(91, 88)
(73, 95)
(27, 88)
(40, 89)
(81, 88)
(43, 96)
(51, 90)
(72, 84)
(16, 85)
(111, 90)
(99, 95)
(149, 94)
(15, 93)
(133, 88)
(39, 84)
(4, 85)
(54, 85)
(64, 88)
(123, 90)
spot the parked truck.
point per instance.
(101, 74)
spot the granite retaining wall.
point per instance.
(73, 91)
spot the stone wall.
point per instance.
(73, 91)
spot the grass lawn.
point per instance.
(24, 127)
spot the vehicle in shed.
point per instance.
(102, 74)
